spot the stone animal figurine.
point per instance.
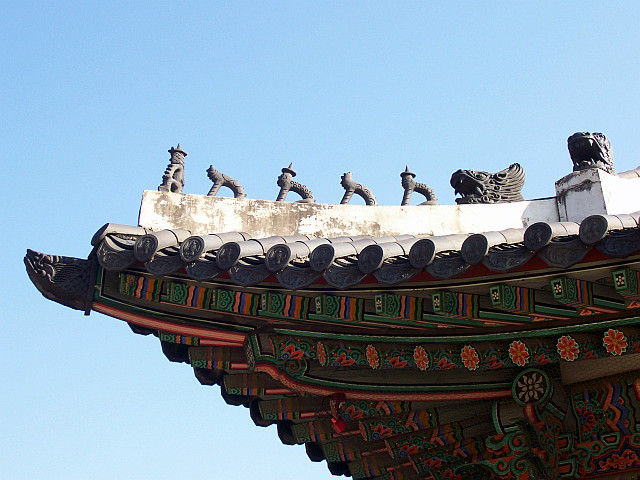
(173, 178)
(351, 186)
(219, 179)
(410, 186)
(286, 184)
(483, 187)
(590, 150)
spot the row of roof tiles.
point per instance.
(298, 261)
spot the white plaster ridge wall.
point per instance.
(202, 214)
(594, 191)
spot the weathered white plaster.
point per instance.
(594, 191)
(262, 218)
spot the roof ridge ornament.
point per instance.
(173, 178)
(590, 150)
(484, 187)
(219, 179)
(286, 184)
(410, 185)
(351, 186)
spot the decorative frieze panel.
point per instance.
(512, 299)
(579, 294)
(455, 305)
(399, 306)
(189, 295)
(284, 306)
(195, 296)
(342, 308)
(144, 288)
(472, 357)
(572, 292)
(236, 302)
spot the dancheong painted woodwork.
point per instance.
(501, 353)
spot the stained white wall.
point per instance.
(594, 191)
(262, 218)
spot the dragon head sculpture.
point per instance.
(590, 150)
(65, 280)
(483, 187)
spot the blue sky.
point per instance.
(94, 93)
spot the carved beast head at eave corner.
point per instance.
(65, 280)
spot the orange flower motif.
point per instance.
(372, 356)
(568, 348)
(519, 353)
(615, 342)
(421, 358)
(470, 357)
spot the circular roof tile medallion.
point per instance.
(145, 247)
(370, 259)
(278, 257)
(228, 255)
(593, 229)
(532, 386)
(321, 257)
(538, 236)
(422, 253)
(192, 249)
(474, 249)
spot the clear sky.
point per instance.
(92, 94)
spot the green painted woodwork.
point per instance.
(398, 306)
(457, 305)
(182, 339)
(280, 305)
(625, 282)
(555, 312)
(512, 299)
(572, 292)
(335, 307)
